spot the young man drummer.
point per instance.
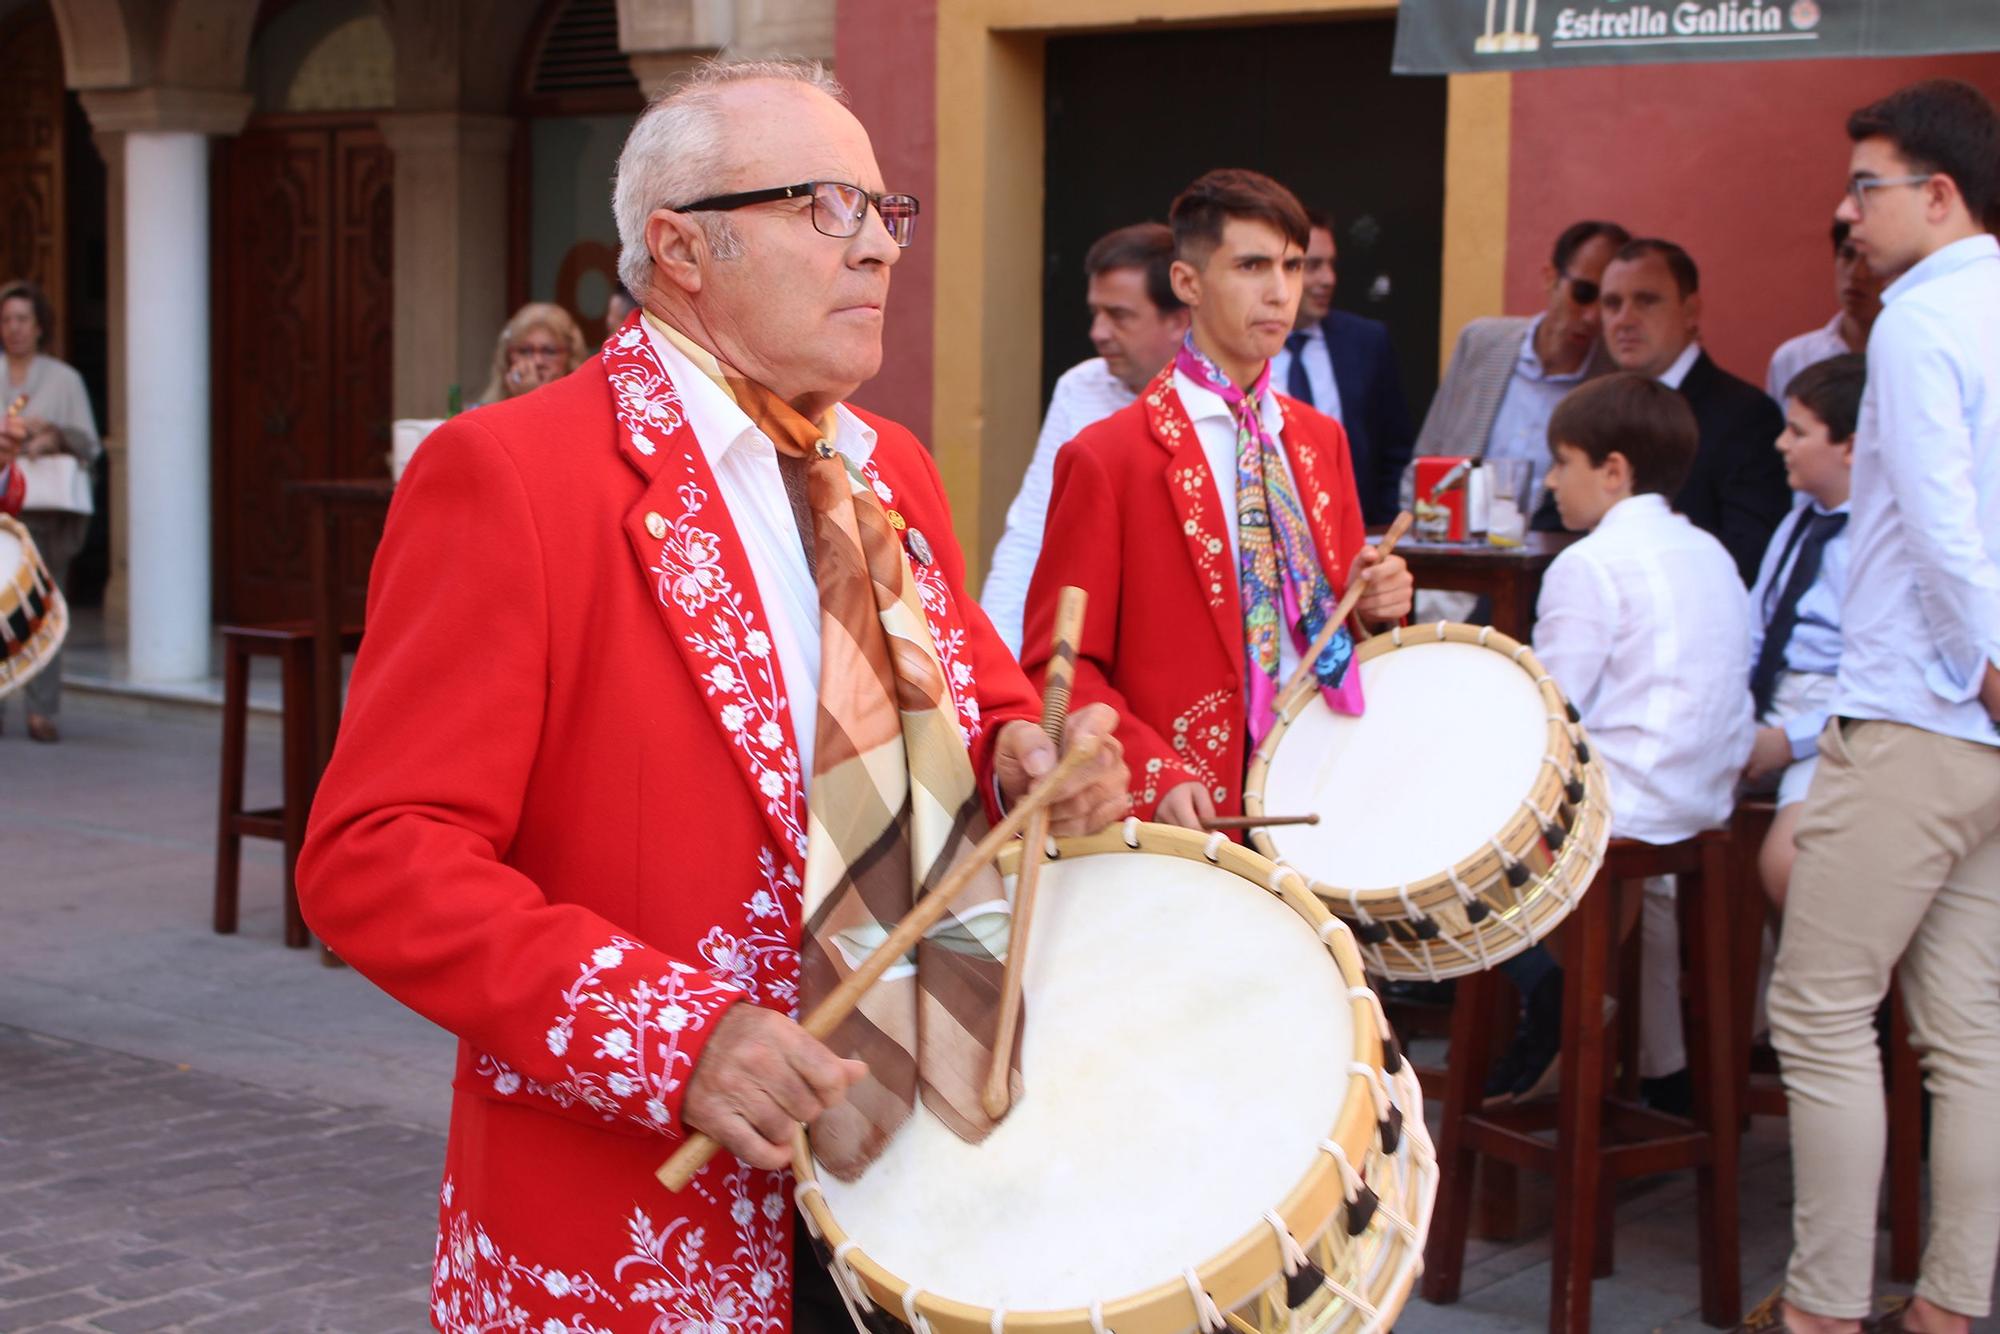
(1213, 522)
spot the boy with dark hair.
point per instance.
(1214, 522)
(1899, 842)
(1645, 625)
(1795, 603)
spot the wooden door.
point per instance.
(31, 160)
(302, 377)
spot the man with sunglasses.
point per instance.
(1507, 373)
(674, 694)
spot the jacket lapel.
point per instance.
(1316, 480)
(689, 553)
(1204, 527)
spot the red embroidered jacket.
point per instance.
(565, 821)
(1135, 519)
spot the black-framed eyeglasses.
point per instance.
(837, 207)
(1582, 291)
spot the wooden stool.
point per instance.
(291, 642)
(1601, 1138)
(1762, 1093)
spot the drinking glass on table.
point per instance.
(1511, 504)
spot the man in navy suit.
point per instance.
(1343, 365)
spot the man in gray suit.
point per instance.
(1508, 372)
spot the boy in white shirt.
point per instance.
(1646, 627)
(1795, 603)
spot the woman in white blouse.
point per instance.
(48, 420)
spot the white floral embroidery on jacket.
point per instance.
(671, 1271)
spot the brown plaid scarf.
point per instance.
(892, 806)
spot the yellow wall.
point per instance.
(986, 353)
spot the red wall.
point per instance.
(1742, 163)
(885, 52)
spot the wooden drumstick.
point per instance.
(997, 1095)
(1256, 821)
(828, 1015)
(1355, 585)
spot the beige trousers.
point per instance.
(1899, 860)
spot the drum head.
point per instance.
(1452, 740)
(1186, 1047)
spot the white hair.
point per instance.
(677, 153)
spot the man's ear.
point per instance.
(1186, 280)
(1691, 308)
(679, 249)
(1550, 277)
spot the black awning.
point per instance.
(1480, 36)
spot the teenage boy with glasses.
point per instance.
(1899, 843)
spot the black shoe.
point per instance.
(1537, 1042)
(1672, 1094)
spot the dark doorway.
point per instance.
(52, 229)
(1133, 117)
(303, 231)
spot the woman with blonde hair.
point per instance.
(540, 343)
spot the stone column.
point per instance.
(451, 252)
(159, 351)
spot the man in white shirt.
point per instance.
(1899, 844)
(1859, 291)
(1136, 322)
(1344, 365)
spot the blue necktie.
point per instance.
(1296, 383)
(1818, 529)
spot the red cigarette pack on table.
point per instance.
(1440, 518)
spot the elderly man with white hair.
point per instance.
(672, 698)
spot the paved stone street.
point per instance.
(140, 1195)
(210, 1132)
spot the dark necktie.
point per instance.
(1296, 383)
(1817, 530)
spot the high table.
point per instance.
(327, 503)
(1510, 576)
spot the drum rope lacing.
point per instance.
(911, 1315)
(853, 1295)
(1205, 1309)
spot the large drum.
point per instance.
(1217, 1129)
(33, 616)
(1461, 815)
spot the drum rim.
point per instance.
(1311, 1207)
(22, 660)
(1457, 954)
(1561, 763)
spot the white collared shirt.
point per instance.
(745, 464)
(1645, 625)
(1922, 612)
(1087, 392)
(1672, 376)
(1215, 427)
(1795, 354)
(1318, 358)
